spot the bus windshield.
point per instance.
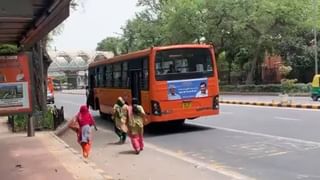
(175, 64)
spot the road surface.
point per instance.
(257, 142)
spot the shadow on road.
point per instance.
(158, 129)
(129, 152)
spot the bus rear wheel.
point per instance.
(179, 122)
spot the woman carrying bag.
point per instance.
(81, 124)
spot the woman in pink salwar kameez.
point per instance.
(136, 120)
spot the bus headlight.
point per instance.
(215, 102)
(155, 106)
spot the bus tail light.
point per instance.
(215, 102)
(156, 109)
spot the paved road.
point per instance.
(259, 142)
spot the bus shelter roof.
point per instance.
(24, 22)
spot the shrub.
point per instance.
(288, 85)
(41, 121)
(272, 88)
(20, 122)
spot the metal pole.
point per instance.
(315, 5)
(30, 126)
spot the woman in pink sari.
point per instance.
(85, 121)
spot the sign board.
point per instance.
(15, 85)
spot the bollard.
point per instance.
(30, 126)
(61, 115)
(11, 122)
(55, 115)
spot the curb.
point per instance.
(263, 94)
(76, 153)
(303, 106)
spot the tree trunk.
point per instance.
(40, 80)
(229, 71)
(254, 63)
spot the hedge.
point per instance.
(275, 88)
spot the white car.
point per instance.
(50, 98)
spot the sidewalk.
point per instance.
(42, 157)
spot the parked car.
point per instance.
(50, 97)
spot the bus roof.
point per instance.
(145, 52)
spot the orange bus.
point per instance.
(172, 83)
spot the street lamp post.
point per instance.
(315, 5)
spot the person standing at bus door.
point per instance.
(172, 95)
(87, 91)
(119, 116)
(136, 121)
(203, 92)
(88, 97)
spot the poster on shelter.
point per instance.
(186, 89)
(15, 92)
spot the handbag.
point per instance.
(74, 124)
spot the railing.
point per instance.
(41, 121)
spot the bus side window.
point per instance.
(117, 75)
(124, 75)
(109, 76)
(97, 77)
(145, 74)
(104, 79)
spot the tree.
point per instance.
(112, 44)
(243, 30)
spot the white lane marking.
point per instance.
(215, 167)
(225, 112)
(287, 119)
(270, 107)
(260, 134)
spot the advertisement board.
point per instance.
(187, 89)
(15, 85)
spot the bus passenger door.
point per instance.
(90, 93)
(135, 84)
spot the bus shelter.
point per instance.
(26, 23)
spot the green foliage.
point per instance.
(285, 70)
(41, 122)
(288, 85)
(8, 49)
(242, 30)
(48, 119)
(268, 88)
(112, 44)
(20, 122)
